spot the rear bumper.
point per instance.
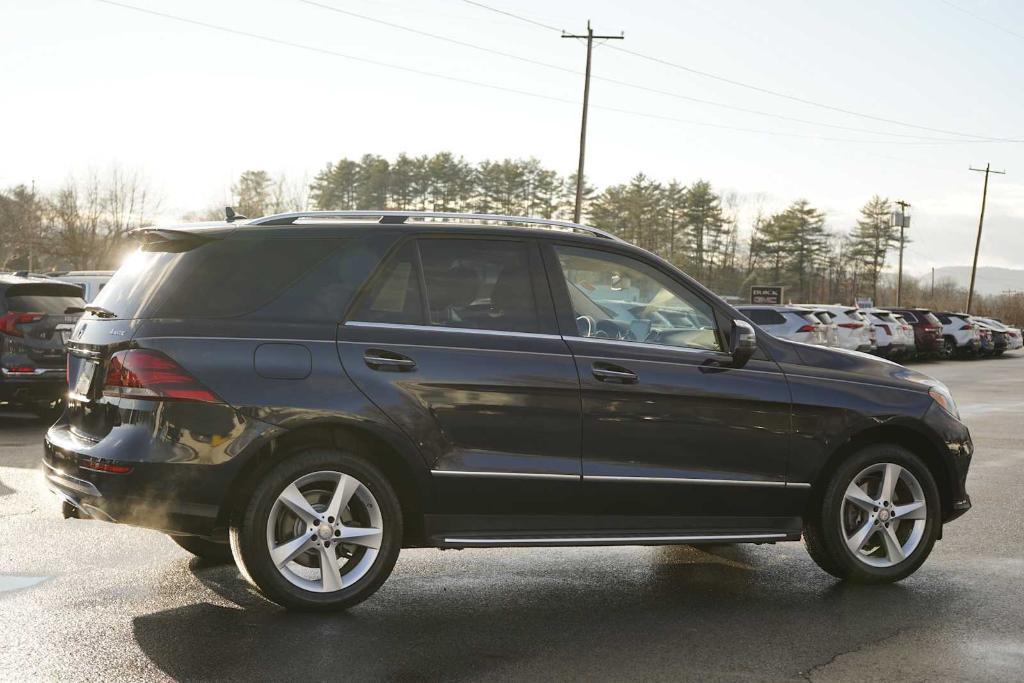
(47, 385)
(163, 478)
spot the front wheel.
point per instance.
(877, 519)
(322, 531)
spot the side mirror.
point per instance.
(742, 343)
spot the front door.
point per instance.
(455, 340)
(669, 428)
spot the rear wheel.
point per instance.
(322, 531)
(205, 549)
(877, 519)
(948, 348)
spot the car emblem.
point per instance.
(119, 333)
(80, 331)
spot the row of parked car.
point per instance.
(896, 333)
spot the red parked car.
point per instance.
(927, 330)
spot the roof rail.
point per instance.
(401, 217)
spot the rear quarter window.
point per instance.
(288, 278)
(51, 299)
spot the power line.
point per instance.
(984, 20)
(757, 88)
(490, 86)
(615, 81)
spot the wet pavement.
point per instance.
(87, 600)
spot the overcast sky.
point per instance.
(88, 84)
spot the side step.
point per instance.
(492, 540)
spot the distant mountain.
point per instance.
(990, 280)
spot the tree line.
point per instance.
(713, 235)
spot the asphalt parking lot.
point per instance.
(87, 600)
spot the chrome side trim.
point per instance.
(684, 480)
(646, 345)
(799, 484)
(503, 475)
(625, 539)
(245, 339)
(457, 330)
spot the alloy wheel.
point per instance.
(324, 531)
(883, 515)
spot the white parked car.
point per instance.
(893, 338)
(907, 330)
(854, 327)
(1014, 340)
(91, 281)
(831, 328)
(960, 335)
(788, 322)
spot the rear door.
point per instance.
(455, 339)
(36, 320)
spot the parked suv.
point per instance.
(1014, 340)
(927, 330)
(794, 323)
(892, 341)
(853, 326)
(318, 391)
(960, 335)
(36, 315)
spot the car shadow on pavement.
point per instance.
(502, 615)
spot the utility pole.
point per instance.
(981, 221)
(902, 222)
(932, 302)
(586, 103)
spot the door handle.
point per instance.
(606, 372)
(376, 360)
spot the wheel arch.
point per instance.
(915, 440)
(399, 461)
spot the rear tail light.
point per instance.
(806, 328)
(20, 370)
(103, 466)
(9, 322)
(968, 326)
(150, 375)
(852, 326)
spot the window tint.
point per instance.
(944, 319)
(909, 317)
(394, 295)
(222, 278)
(617, 297)
(763, 316)
(39, 303)
(479, 284)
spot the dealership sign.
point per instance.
(766, 295)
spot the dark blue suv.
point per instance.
(310, 393)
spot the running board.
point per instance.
(542, 540)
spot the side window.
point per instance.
(910, 317)
(618, 297)
(480, 284)
(394, 295)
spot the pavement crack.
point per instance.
(809, 674)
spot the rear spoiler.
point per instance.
(179, 239)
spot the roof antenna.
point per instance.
(230, 216)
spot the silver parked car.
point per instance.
(794, 323)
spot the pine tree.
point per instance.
(871, 240)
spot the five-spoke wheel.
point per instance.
(877, 518)
(321, 531)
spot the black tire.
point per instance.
(202, 548)
(249, 531)
(948, 348)
(823, 536)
